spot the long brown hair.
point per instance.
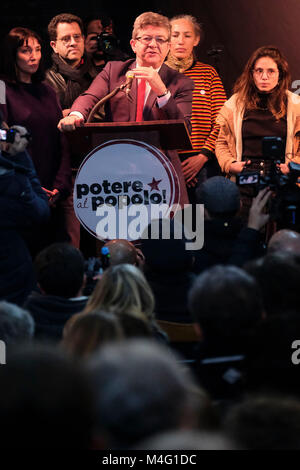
(248, 95)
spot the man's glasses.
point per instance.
(146, 40)
(269, 72)
(67, 39)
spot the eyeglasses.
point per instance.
(67, 39)
(146, 40)
(269, 72)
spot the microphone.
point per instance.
(128, 84)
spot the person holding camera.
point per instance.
(23, 204)
(101, 43)
(261, 106)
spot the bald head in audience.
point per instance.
(284, 240)
(123, 252)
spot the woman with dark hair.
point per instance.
(208, 98)
(261, 107)
(29, 102)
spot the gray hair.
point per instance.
(198, 30)
(16, 324)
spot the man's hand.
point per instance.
(191, 167)
(152, 77)
(257, 218)
(237, 167)
(53, 196)
(66, 112)
(69, 123)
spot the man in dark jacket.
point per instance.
(23, 204)
(70, 75)
(71, 72)
(60, 276)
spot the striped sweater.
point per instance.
(208, 98)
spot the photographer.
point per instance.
(101, 43)
(23, 204)
(261, 106)
(226, 239)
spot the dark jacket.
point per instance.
(23, 204)
(227, 242)
(68, 82)
(51, 313)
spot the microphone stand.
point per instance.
(104, 99)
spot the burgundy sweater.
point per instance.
(35, 107)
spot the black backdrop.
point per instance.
(240, 26)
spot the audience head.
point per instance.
(187, 440)
(220, 196)
(277, 275)
(122, 252)
(271, 364)
(226, 303)
(164, 253)
(89, 332)
(16, 324)
(265, 423)
(123, 289)
(284, 240)
(45, 401)
(67, 37)
(60, 270)
(140, 390)
(21, 59)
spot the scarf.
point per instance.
(77, 80)
(180, 64)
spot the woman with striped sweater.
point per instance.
(208, 98)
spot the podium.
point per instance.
(166, 135)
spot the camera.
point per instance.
(94, 267)
(284, 206)
(106, 43)
(8, 135)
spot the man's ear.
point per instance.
(53, 45)
(132, 43)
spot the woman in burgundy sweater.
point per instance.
(26, 100)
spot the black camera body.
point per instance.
(106, 43)
(286, 201)
(8, 135)
(93, 268)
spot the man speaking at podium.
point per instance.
(153, 91)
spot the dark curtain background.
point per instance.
(239, 26)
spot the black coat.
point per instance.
(23, 204)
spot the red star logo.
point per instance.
(154, 184)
